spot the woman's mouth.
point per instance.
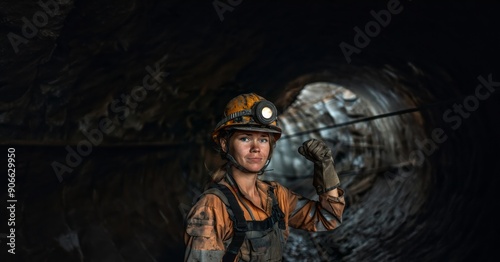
(254, 159)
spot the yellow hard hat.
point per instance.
(249, 112)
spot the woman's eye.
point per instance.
(245, 139)
(264, 140)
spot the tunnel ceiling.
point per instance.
(109, 106)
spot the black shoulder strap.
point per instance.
(239, 223)
(277, 214)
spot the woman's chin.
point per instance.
(254, 169)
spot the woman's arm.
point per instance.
(303, 213)
(206, 230)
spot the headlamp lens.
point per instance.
(267, 112)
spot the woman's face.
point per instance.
(250, 149)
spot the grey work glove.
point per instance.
(325, 176)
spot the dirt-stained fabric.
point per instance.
(209, 228)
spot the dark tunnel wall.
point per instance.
(120, 96)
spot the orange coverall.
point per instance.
(209, 227)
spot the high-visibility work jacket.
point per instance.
(209, 229)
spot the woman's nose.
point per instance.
(255, 146)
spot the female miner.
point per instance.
(243, 218)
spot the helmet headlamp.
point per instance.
(263, 112)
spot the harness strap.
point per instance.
(240, 225)
(277, 214)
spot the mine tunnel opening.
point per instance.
(385, 162)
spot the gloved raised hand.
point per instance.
(325, 176)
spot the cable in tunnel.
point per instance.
(371, 118)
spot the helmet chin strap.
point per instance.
(234, 163)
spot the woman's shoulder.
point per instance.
(210, 198)
(213, 196)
